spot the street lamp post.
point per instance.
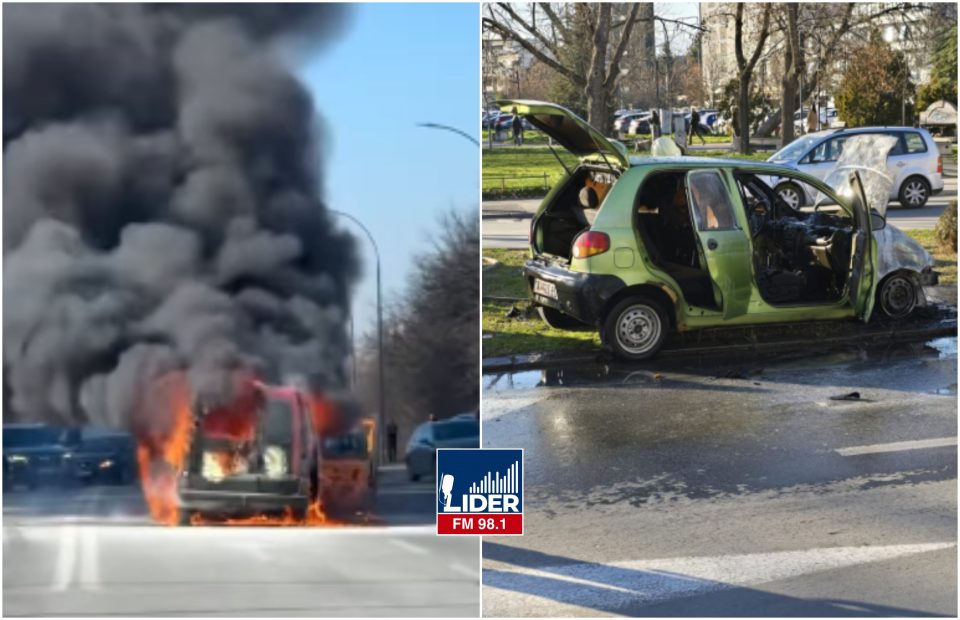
(452, 129)
(381, 414)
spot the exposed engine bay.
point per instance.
(799, 256)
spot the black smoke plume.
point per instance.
(162, 205)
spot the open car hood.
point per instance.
(567, 129)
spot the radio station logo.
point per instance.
(480, 492)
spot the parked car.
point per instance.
(489, 118)
(456, 432)
(828, 119)
(35, 454)
(639, 124)
(622, 124)
(504, 122)
(637, 246)
(103, 456)
(914, 163)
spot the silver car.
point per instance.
(914, 163)
(462, 431)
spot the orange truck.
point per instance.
(349, 468)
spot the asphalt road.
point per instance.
(93, 551)
(506, 223)
(732, 487)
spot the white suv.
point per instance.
(914, 163)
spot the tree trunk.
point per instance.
(793, 67)
(596, 90)
(743, 111)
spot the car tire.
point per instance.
(414, 476)
(791, 194)
(184, 517)
(636, 328)
(914, 192)
(558, 320)
(897, 295)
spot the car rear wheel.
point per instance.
(791, 194)
(635, 329)
(414, 476)
(897, 295)
(914, 192)
(556, 319)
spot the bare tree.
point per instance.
(546, 30)
(745, 68)
(823, 27)
(431, 343)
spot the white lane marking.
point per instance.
(66, 558)
(89, 559)
(408, 546)
(463, 569)
(135, 527)
(898, 446)
(609, 587)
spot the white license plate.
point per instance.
(547, 289)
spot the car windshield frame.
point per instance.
(797, 149)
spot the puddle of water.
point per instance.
(851, 359)
(946, 347)
(523, 380)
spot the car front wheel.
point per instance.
(914, 192)
(635, 329)
(791, 194)
(897, 295)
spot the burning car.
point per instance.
(254, 458)
(636, 246)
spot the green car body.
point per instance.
(576, 289)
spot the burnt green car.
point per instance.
(638, 246)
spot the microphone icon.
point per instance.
(446, 487)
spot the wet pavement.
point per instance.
(781, 484)
(94, 551)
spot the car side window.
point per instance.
(710, 201)
(914, 142)
(898, 148)
(828, 150)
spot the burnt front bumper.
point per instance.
(235, 502)
(582, 296)
(240, 497)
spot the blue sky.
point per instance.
(398, 65)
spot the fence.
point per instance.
(530, 181)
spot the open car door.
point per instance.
(567, 129)
(863, 256)
(724, 246)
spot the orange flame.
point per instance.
(314, 517)
(161, 451)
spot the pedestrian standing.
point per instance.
(695, 125)
(391, 441)
(655, 124)
(517, 129)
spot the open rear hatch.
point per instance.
(566, 212)
(568, 130)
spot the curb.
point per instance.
(675, 348)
